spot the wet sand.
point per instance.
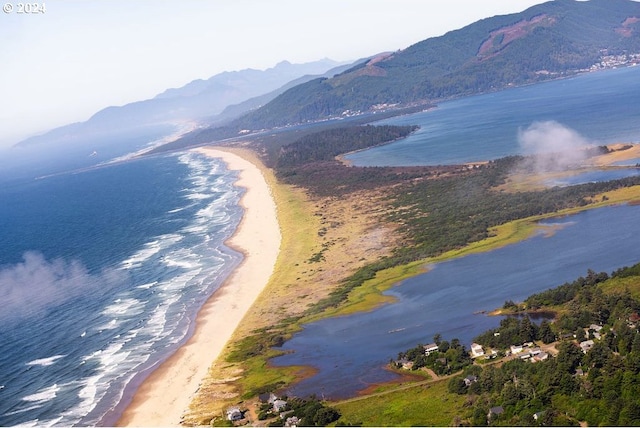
(165, 395)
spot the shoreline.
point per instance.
(165, 395)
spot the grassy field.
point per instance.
(422, 405)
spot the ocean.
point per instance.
(102, 273)
(102, 270)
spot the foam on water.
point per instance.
(135, 323)
(44, 362)
(43, 395)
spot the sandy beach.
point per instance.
(165, 395)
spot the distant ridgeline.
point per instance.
(595, 376)
(547, 41)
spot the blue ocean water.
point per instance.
(101, 275)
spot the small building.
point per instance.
(405, 363)
(494, 412)
(279, 405)
(476, 350)
(491, 355)
(586, 345)
(470, 379)
(594, 329)
(516, 349)
(428, 349)
(540, 357)
(234, 414)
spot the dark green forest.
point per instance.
(325, 146)
(599, 385)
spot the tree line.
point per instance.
(599, 385)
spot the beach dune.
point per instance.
(165, 395)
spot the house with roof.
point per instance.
(541, 356)
(586, 345)
(428, 349)
(279, 405)
(476, 350)
(234, 414)
(534, 351)
(494, 412)
(405, 363)
(594, 329)
(516, 349)
(470, 379)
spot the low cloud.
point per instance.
(31, 287)
(551, 146)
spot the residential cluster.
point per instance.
(614, 61)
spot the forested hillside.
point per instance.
(550, 40)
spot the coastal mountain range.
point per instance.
(223, 96)
(551, 40)
(548, 41)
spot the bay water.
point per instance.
(601, 107)
(350, 353)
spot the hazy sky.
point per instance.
(65, 64)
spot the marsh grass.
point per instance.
(421, 405)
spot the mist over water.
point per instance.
(550, 146)
(57, 281)
(101, 275)
(600, 107)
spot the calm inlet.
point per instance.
(350, 352)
